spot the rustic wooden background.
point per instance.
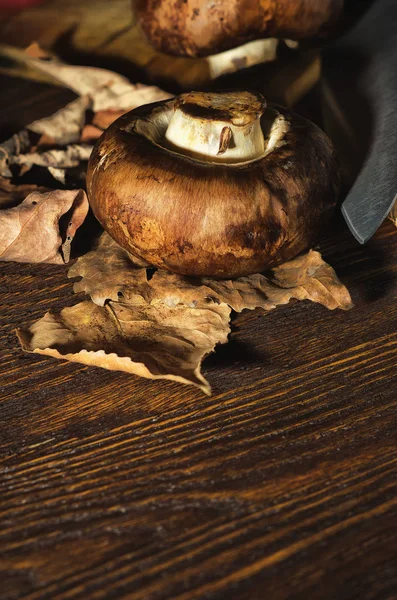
(281, 485)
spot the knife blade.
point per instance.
(360, 113)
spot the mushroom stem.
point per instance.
(223, 128)
(242, 57)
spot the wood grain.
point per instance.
(282, 485)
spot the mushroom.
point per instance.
(202, 27)
(213, 184)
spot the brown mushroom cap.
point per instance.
(208, 217)
(202, 27)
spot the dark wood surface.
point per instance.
(282, 485)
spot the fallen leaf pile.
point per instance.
(32, 231)
(161, 325)
(136, 319)
(71, 131)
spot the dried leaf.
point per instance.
(34, 50)
(306, 277)
(110, 94)
(90, 134)
(65, 126)
(66, 158)
(161, 325)
(76, 219)
(107, 93)
(108, 90)
(58, 174)
(109, 273)
(15, 63)
(20, 142)
(31, 231)
(149, 341)
(104, 118)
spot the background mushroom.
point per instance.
(202, 27)
(213, 184)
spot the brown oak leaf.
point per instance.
(31, 232)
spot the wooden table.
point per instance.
(282, 485)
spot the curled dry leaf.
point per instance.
(150, 341)
(90, 133)
(101, 271)
(108, 94)
(31, 232)
(109, 273)
(103, 118)
(108, 90)
(157, 324)
(66, 158)
(20, 142)
(65, 126)
(306, 277)
(34, 50)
